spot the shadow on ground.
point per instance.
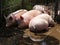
(19, 40)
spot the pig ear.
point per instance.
(21, 17)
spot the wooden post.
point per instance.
(56, 8)
(0, 13)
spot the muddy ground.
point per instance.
(53, 38)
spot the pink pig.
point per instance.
(40, 22)
(26, 17)
(42, 8)
(13, 17)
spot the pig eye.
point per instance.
(10, 18)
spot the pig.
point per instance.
(42, 8)
(12, 18)
(26, 17)
(40, 22)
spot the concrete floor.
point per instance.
(52, 38)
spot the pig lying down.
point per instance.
(40, 22)
(26, 17)
(42, 8)
(11, 18)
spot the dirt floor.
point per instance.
(52, 38)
